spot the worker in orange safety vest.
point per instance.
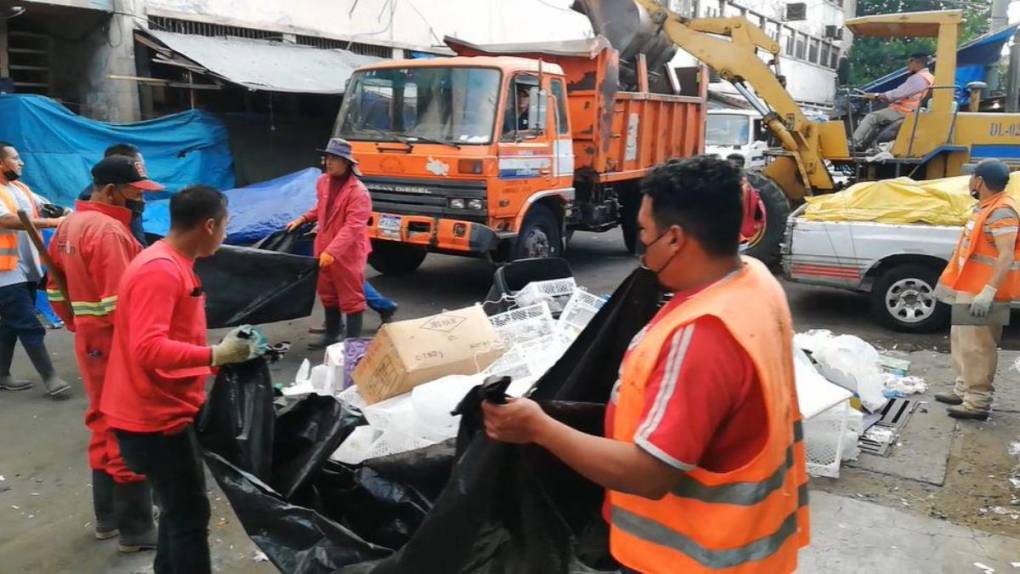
(902, 100)
(984, 269)
(92, 248)
(703, 458)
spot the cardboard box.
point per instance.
(406, 354)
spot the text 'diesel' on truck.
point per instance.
(502, 151)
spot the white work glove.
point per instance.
(983, 302)
(237, 346)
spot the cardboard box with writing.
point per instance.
(406, 354)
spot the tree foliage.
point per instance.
(872, 58)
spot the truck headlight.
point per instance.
(457, 204)
(475, 204)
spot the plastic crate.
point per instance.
(524, 324)
(823, 440)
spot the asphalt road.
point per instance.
(45, 497)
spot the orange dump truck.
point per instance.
(503, 152)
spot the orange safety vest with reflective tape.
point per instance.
(973, 261)
(753, 519)
(908, 104)
(8, 237)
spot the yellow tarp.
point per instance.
(901, 200)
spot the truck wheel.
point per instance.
(630, 204)
(392, 258)
(765, 244)
(903, 299)
(540, 235)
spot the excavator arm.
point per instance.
(730, 46)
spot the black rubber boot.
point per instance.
(334, 329)
(102, 504)
(133, 504)
(354, 321)
(7, 383)
(56, 388)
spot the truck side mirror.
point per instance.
(538, 108)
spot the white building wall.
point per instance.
(410, 24)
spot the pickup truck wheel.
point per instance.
(392, 258)
(540, 235)
(903, 299)
(765, 244)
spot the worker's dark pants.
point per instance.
(173, 467)
(17, 316)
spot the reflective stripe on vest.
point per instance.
(910, 104)
(99, 308)
(754, 518)
(973, 261)
(9, 238)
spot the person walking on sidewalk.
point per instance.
(137, 206)
(159, 362)
(982, 271)
(703, 458)
(92, 248)
(20, 274)
(342, 210)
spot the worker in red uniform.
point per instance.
(155, 381)
(342, 210)
(702, 457)
(92, 248)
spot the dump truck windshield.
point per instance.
(727, 129)
(448, 105)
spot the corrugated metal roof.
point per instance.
(265, 65)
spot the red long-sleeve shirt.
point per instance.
(92, 248)
(342, 210)
(160, 357)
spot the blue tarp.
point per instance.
(59, 148)
(255, 211)
(972, 60)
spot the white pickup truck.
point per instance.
(898, 265)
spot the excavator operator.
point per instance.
(902, 100)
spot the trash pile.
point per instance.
(411, 376)
(852, 398)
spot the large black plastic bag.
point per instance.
(245, 285)
(485, 508)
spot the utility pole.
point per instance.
(999, 20)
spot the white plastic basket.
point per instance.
(823, 440)
(554, 292)
(524, 324)
(578, 312)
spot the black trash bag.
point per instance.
(503, 509)
(245, 285)
(296, 242)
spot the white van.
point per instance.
(731, 132)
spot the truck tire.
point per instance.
(903, 299)
(630, 204)
(541, 235)
(392, 258)
(765, 246)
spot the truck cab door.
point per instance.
(527, 161)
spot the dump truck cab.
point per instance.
(457, 151)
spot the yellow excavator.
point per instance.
(936, 141)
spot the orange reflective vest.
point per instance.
(908, 104)
(8, 237)
(753, 519)
(973, 262)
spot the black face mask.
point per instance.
(645, 267)
(11, 176)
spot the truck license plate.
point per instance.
(389, 225)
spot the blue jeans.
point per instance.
(376, 301)
(17, 315)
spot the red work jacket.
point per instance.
(160, 358)
(92, 248)
(343, 220)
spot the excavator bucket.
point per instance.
(630, 30)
